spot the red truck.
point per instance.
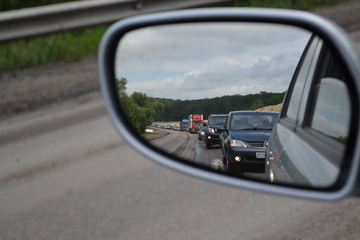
(195, 121)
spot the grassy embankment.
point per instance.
(74, 45)
(306, 5)
(37, 51)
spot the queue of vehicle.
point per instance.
(242, 137)
(252, 140)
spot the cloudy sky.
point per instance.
(206, 60)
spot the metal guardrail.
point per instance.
(37, 21)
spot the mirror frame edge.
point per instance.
(325, 29)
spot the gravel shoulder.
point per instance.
(29, 89)
(156, 134)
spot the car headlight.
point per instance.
(237, 143)
(211, 130)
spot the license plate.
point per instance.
(260, 154)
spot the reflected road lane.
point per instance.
(187, 146)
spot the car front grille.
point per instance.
(255, 144)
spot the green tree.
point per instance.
(138, 108)
(121, 86)
(258, 103)
(175, 110)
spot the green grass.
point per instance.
(291, 4)
(42, 50)
(6, 5)
(144, 135)
(78, 44)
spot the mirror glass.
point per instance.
(211, 93)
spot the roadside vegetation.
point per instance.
(74, 45)
(68, 46)
(307, 5)
(142, 110)
(138, 107)
(175, 110)
(6, 5)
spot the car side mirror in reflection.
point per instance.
(278, 111)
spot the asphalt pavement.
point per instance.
(81, 180)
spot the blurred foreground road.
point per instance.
(66, 174)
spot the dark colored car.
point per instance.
(316, 128)
(202, 130)
(215, 126)
(244, 139)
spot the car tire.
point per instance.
(225, 164)
(208, 145)
(230, 168)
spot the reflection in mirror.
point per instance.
(209, 93)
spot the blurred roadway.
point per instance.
(78, 179)
(66, 174)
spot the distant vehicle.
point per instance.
(149, 130)
(195, 121)
(184, 124)
(215, 127)
(202, 130)
(244, 139)
(176, 128)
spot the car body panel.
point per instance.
(292, 147)
(300, 167)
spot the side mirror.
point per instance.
(152, 69)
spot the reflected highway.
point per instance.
(187, 146)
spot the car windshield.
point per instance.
(253, 121)
(217, 120)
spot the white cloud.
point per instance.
(207, 60)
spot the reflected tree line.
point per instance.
(175, 110)
(141, 110)
(138, 107)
